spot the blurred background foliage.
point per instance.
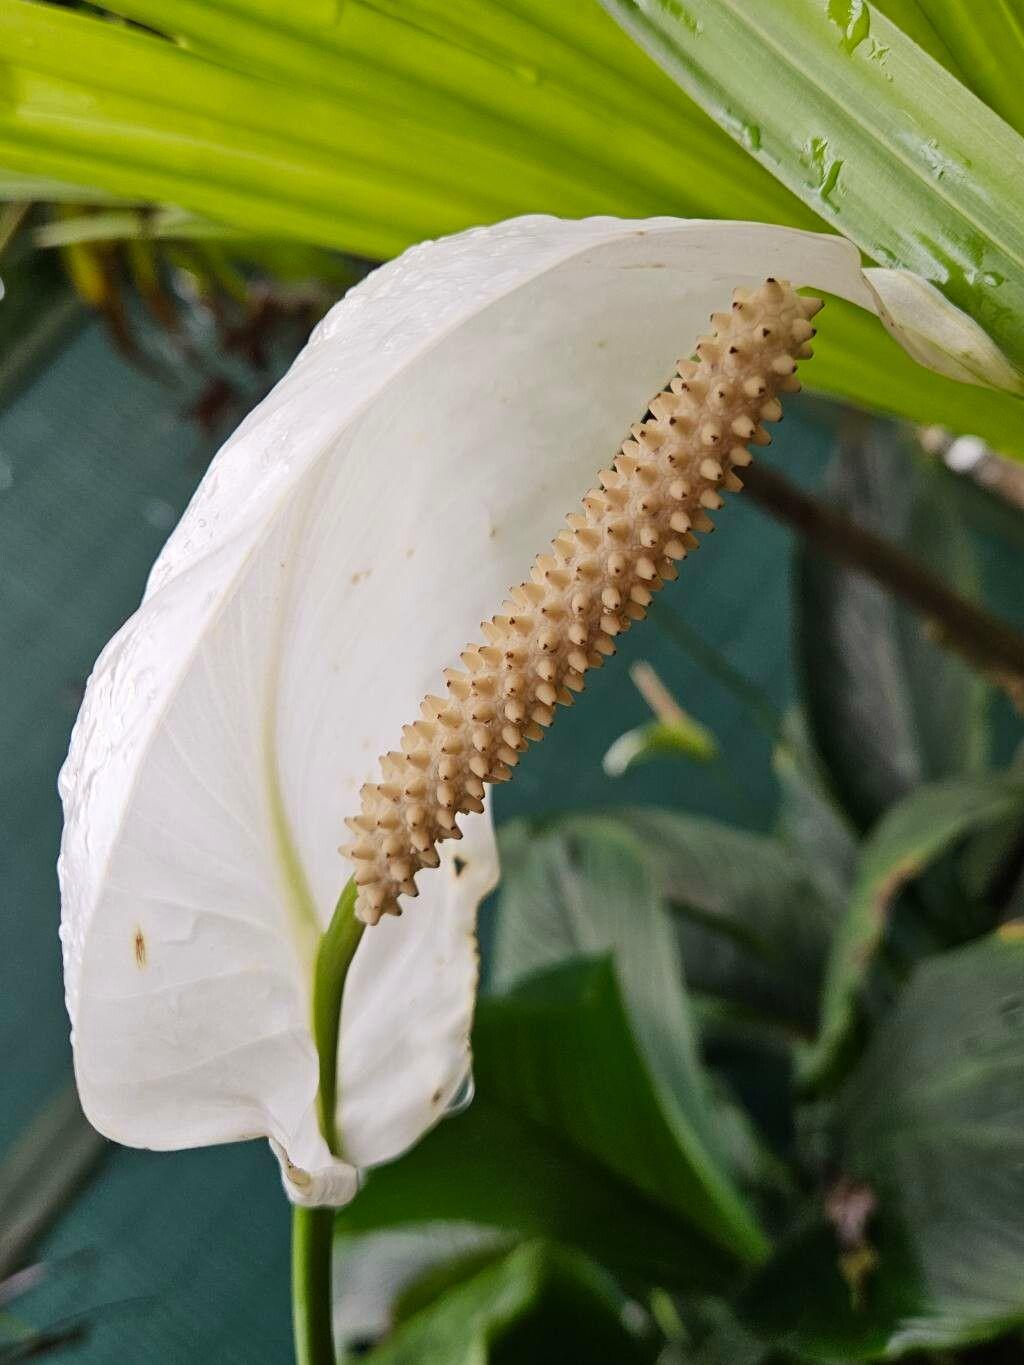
(749, 1081)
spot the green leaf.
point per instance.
(540, 1303)
(493, 1167)
(570, 1138)
(888, 708)
(982, 45)
(864, 126)
(932, 1123)
(36, 188)
(913, 834)
(801, 1300)
(595, 1089)
(406, 120)
(855, 361)
(584, 889)
(436, 1280)
(660, 739)
(382, 1277)
(132, 224)
(38, 311)
(811, 822)
(755, 924)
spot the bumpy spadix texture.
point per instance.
(619, 549)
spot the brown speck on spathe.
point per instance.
(140, 948)
(460, 865)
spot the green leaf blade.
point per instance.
(930, 1129)
(888, 707)
(913, 834)
(755, 925)
(866, 128)
(534, 1303)
(983, 45)
(393, 122)
(571, 1137)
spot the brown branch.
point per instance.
(984, 640)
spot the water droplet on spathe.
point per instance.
(463, 1097)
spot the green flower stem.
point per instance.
(313, 1229)
(337, 949)
(312, 1238)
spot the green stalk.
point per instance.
(312, 1237)
(313, 1229)
(337, 949)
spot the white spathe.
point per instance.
(343, 547)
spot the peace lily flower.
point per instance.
(344, 545)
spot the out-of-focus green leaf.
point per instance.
(438, 1279)
(38, 310)
(373, 135)
(755, 925)
(888, 708)
(26, 188)
(932, 1125)
(382, 1277)
(912, 835)
(660, 739)
(569, 1137)
(856, 361)
(867, 129)
(801, 1300)
(601, 1093)
(584, 889)
(540, 1303)
(811, 821)
(41, 1172)
(982, 45)
(491, 1166)
(404, 120)
(129, 224)
(991, 867)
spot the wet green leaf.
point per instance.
(855, 118)
(396, 121)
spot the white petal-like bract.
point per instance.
(343, 547)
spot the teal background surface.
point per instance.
(182, 1257)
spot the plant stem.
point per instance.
(337, 949)
(312, 1237)
(982, 639)
(313, 1229)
